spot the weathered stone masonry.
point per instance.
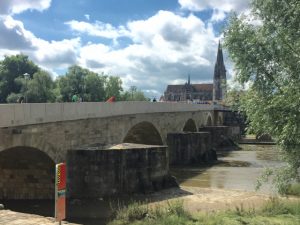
(101, 173)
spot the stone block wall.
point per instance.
(189, 147)
(26, 174)
(104, 173)
(221, 136)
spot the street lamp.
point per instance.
(26, 76)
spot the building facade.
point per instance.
(215, 91)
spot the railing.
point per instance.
(35, 113)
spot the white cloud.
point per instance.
(218, 15)
(87, 16)
(18, 6)
(224, 5)
(13, 35)
(97, 29)
(166, 47)
(56, 54)
(161, 50)
(15, 39)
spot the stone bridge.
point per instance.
(33, 137)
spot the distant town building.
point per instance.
(201, 92)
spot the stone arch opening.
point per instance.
(26, 173)
(190, 126)
(220, 121)
(209, 121)
(143, 133)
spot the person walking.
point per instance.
(74, 98)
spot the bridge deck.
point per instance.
(36, 113)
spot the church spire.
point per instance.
(219, 89)
(220, 61)
(189, 79)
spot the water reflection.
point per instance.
(236, 170)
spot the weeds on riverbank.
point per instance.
(274, 212)
(294, 189)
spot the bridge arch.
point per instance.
(209, 120)
(143, 133)
(26, 173)
(220, 120)
(190, 126)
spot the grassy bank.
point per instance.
(275, 212)
(294, 189)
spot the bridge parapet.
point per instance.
(35, 113)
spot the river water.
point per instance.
(235, 170)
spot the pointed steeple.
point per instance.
(219, 76)
(220, 61)
(189, 79)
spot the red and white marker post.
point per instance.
(60, 192)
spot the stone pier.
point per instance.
(189, 147)
(121, 169)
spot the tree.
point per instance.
(73, 83)
(233, 97)
(133, 94)
(94, 87)
(40, 88)
(88, 85)
(12, 68)
(113, 87)
(267, 57)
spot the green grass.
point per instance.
(294, 189)
(275, 212)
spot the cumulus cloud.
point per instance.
(16, 39)
(218, 15)
(87, 16)
(97, 29)
(164, 49)
(18, 6)
(225, 5)
(56, 54)
(13, 35)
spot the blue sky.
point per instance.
(149, 44)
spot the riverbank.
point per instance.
(191, 205)
(203, 204)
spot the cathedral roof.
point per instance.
(175, 88)
(203, 87)
(196, 87)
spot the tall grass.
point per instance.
(141, 213)
(294, 189)
(275, 211)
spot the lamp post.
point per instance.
(26, 76)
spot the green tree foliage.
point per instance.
(73, 83)
(40, 88)
(11, 69)
(267, 57)
(88, 85)
(113, 87)
(133, 94)
(233, 97)
(94, 87)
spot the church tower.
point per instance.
(219, 86)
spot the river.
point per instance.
(235, 170)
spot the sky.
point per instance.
(148, 43)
